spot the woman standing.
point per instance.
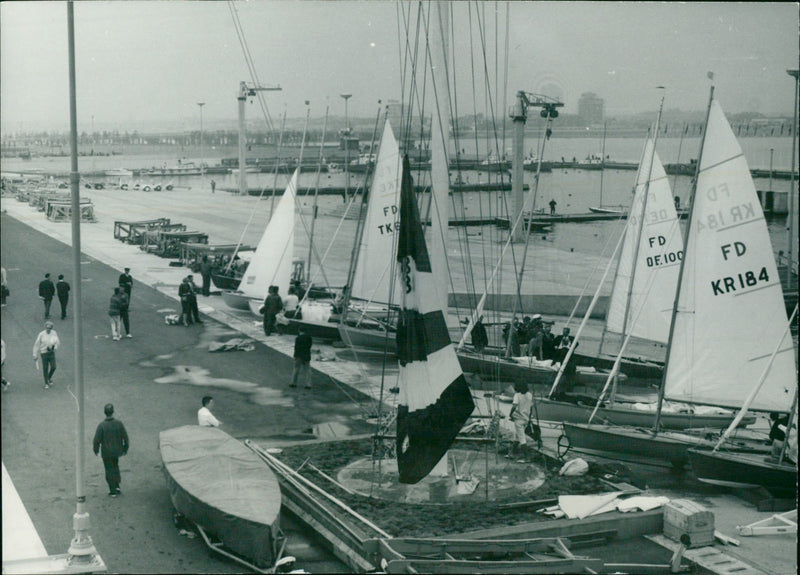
(45, 347)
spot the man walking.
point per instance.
(125, 320)
(114, 307)
(204, 416)
(44, 348)
(4, 291)
(62, 289)
(273, 304)
(126, 282)
(205, 271)
(111, 442)
(302, 357)
(46, 291)
(553, 207)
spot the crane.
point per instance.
(246, 90)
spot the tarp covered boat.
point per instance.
(225, 488)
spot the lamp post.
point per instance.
(346, 97)
(791, 207)
(771, 154)
(202, 162)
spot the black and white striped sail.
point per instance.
(434, 400)
(730, 312)
(647, 274)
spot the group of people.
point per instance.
(119, 305)
(111, 441)
(187, 291)
(47, 291)
(274, 304)
(535, 338)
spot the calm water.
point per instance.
(575, 191)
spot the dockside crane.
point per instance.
(519, 115)
(246, 90)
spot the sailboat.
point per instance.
(372, 283)
(271, 263)
(647, 269)
(641, 305)
(728, 313)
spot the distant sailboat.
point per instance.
(271, 263)
(434, 399)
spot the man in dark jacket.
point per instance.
(302, 357)
(126, 282)
(111, 442)
(62, 288)
(185, 292)
(273, 304)
(205, 271)
(47, 290)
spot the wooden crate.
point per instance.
(682, 516)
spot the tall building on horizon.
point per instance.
(591, 108)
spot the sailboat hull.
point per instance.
(636, 370)
(368, 338)
(225, 282)
(219, 484)
(236, 300)
(563, 411)
(631, 442)
(743, 470)
(495, 367)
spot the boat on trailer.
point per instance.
(227, 491)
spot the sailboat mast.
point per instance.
(689, 224)
(362, 221)
(641, 216)
(316, 192)
(438, 39)
(619, 259)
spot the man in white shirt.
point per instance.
(44, 348)
(290, 303)
(204, 416)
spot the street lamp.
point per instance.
(200, 105)
(346, 120)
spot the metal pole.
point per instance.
(81, 549)
(519, 119)
(792, 189)
(346, 97)
(242, 98)
(201, 104)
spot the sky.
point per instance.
(145, 64)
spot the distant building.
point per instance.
(591, 108)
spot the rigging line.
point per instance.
(249, 60)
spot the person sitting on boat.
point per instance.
(290, 303)
(512, 330)
(338, 302)
(562, 344)
(204, 416)
(548, 341)
(535, 337)
(519, 415)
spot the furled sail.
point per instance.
(373, 272)
(647, 274)
(434, 400)
(730, 310)
(272, 261)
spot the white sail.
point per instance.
(373, 275)
(730, 310)
(272, 261)
(648, 288)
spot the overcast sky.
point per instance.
(149, 63)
